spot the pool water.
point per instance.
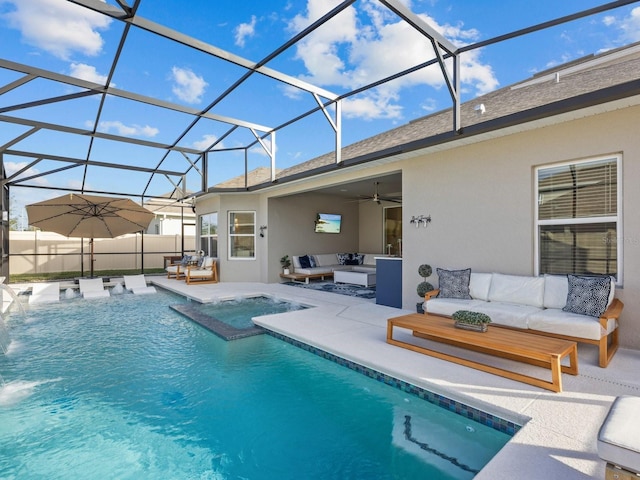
(125, 388)
(238, 312)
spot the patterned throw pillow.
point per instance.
(588, 295)
(312, 261)
(454, 283)
(343, 258)
(359, 257)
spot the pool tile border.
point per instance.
(472, 413)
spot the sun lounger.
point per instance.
(45, 293)
(93, 288)
(137, 284)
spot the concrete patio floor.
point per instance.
(558, 438)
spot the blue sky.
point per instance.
(364, 43)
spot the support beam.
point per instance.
(336, 124)
(17, 83)
(88, 133)
(94, 163)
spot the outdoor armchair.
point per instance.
(206, 273)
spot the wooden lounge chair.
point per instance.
(45, 293)
(93, 288)
(206, 273)
(178, 270)
(138, 284)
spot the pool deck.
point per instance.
(558, 438)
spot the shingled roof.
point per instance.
(522, 102)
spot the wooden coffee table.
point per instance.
(304, 277)
(507, 343)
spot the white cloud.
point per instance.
(125, 130)
(245, 30)
(60, 28)
(188, 86)
(628, 27)
(631, 26)
(206, 142)
(13, 167)
(88, 73)
(350, 52)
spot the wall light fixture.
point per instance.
(423, 220)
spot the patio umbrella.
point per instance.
(89, 216)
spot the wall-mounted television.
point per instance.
(328, 223)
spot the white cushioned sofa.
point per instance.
(546, 305)
(331, 262)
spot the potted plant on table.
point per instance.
(469, 320)
(424, 271)
(286, 263)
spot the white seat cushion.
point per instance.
(555, 320)
(326, 259)
(479, 285)
(508, 314)
(200, 272)
(556, 289)
(448, 306)
(618, 439)
(315, 270)
(517, 289)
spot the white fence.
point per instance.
(44, 252)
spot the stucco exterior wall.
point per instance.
(481, 200)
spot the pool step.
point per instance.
(221, 329)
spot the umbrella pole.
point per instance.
(91, 243)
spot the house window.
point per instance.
(578, 217)
(209, 234)
(242, 235)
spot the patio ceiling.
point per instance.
(65, 130)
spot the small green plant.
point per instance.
(285, 261)
(471, 318)
(423, 287)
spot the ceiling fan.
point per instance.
(379, 198)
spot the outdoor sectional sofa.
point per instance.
(579, 308)
(363, 266)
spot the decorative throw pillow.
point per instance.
(351, 261)
(588, 295)
(304, 261)
(359, 257)
(312, 261)
(454, 283)
(343, 257)
(185, 260)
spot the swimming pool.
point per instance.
(124, 387)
